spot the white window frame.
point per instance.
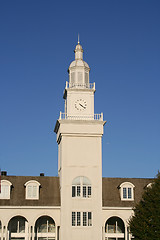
(5, 183)
(127, 186)
(81, 190)
(32, 184)
(82, 219)
(149, 185)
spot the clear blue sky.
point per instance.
(121, 42)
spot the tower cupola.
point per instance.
(78, 70)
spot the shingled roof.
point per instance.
(111, 193)
(50, 192)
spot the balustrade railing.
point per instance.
(98, 117)
(78, 85)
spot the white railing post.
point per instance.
(94, 86)
(101, 116)
(60, 115)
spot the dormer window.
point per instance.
(149, 185)
(5, 189)
(32, 190)
(127, 191)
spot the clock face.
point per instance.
(80, 104)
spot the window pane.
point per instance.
(89, 219)
(73, 219)
(76, 181)
(5, 191)
(129, 193)
(78, 191)
(84, 191)
(73, 191)
(29, 191)
(86, 181)
(124, 193)
(78, 219)
(34, 191)
(84, 219)
(89, 191)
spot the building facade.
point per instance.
(79, 203)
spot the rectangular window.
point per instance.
(124, 193)
(32, 192)
(89, 191)
(78, 219)
(73, 219)
(78, 191)
(84, 219)
(84, 191)
(89, 219)
(73, 191)
(129, 193)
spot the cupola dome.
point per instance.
(79, 70)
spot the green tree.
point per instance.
(145, 223)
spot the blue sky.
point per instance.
(121, 42)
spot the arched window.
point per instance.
(45, 228)
(32, 190)
(18, 228)
(149, 185)
(127, 191)
(81, 187)
(5, 189)
(114, 229)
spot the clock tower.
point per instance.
(79, 136)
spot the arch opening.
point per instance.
(45, 228)
(114, 229)
(18, 228)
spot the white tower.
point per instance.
(79, 137)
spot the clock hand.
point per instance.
(82, 105)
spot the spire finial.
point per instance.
(78, 39)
